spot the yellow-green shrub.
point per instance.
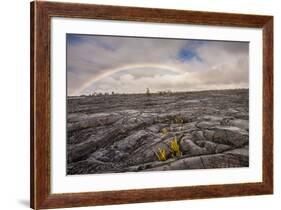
(161, 154)
(175, 148)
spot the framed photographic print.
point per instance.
(140, 105)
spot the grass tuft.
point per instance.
(161, 154)
(175, 148)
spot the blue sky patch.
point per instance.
(188, 52)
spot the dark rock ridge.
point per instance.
(120, 133)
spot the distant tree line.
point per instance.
(147, 93)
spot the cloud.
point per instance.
(192, 81)
(200, 64)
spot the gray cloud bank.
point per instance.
(134, 64)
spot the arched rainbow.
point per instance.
(107, 72)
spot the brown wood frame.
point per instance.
(41, 14)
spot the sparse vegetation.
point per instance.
(175, 148)
(178, 120)
(161, 154)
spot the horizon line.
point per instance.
(157, 92)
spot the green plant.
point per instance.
(175, 148)
(161, 154)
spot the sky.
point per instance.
(99, 64)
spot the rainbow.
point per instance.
(108, 72)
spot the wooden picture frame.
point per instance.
(41, 14)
